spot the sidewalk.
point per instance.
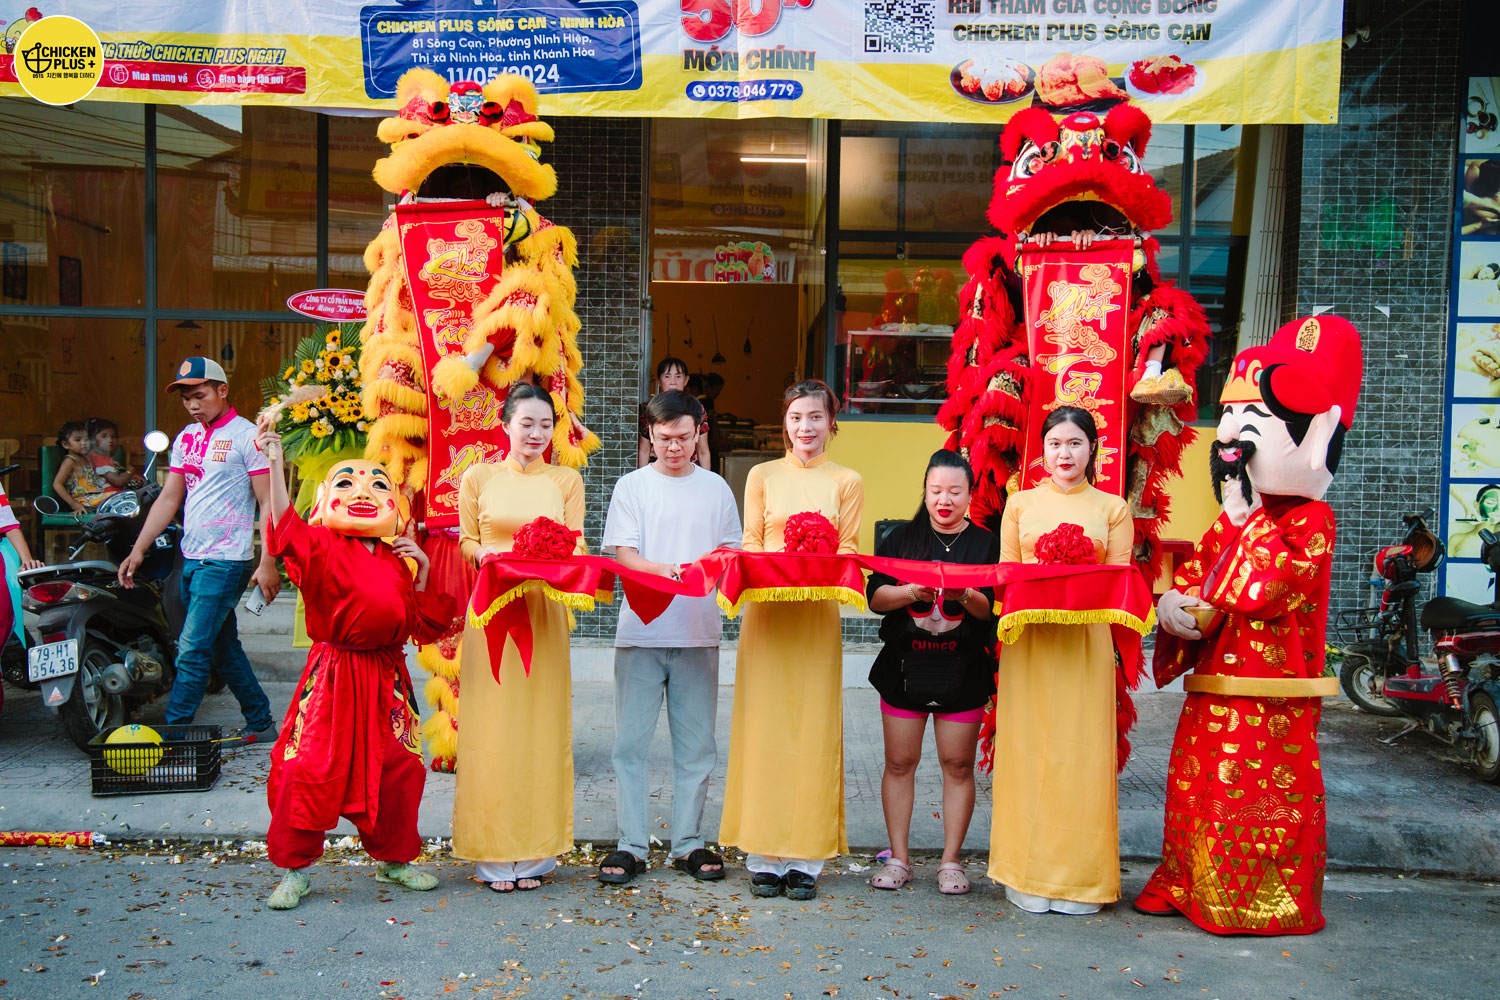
(1402, 807)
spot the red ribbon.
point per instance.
(1024, 593)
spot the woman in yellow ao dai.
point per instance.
(513, 799)
(784, 794)
(1054, 835)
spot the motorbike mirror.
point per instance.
(157, 442)
(47, 505)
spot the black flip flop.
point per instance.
(501, 881)
(631, 864)
(693, 863)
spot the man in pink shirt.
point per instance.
(217, 477)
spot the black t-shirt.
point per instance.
(976, 638)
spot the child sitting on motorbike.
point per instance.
(105, 435)
(77, 482)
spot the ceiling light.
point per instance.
(773, 159)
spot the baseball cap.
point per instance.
(196, 371)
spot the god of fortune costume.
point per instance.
(1244, 846)
(349, 745)
(464, 143)
(1083, 173)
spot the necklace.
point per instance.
(947, 546)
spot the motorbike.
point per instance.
(1452, 696)
(1384, 641)
(97, 650)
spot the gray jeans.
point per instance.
(689, 679)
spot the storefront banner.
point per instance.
(1077, 322)
(1225, 61)
(452, 253)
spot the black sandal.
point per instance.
(631, 864)
(693, 863)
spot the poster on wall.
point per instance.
(887, 60)
(1471, 444)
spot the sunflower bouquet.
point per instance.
(313, 422)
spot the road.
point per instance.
(151, 925)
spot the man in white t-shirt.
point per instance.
(218, 476)
(661, 517)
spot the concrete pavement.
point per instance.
(1402, 807)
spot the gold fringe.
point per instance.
(577, 602)
(1011, 625)
(764, 595)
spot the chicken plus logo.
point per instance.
(60, 61)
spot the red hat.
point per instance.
(1309, 366)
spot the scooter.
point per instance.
(1383, 641)
(97, 649)
(1458, 703)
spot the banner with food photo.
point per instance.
(883, 60)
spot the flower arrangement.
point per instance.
(333, 421)
(1065, 545)
(544, 538)
(810, 532)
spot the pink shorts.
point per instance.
(972, 715)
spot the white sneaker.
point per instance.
(1028, 902)
(1075, 908)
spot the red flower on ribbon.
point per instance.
(544, 538)
(810, 532)
(1066, 545)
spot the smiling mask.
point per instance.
(358, 499)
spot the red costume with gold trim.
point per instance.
(1244, 847)
(350, 744)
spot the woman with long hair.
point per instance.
(938, 660)
(784, 794)
(513, 800)
(1055, 832)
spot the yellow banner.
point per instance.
(1223, 61)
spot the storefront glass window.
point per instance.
(1216, 153)
(249, 352)
(72, 204)
(237, 195)
(356, 204)
(737, 276)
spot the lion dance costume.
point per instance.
(459, 310)
(1244, 846)
(1083, 173)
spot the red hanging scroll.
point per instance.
(452, 253)
(1077, 324)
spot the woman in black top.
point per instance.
(938, 659)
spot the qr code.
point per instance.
(900, 25)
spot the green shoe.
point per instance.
(294, 885)
(406, 876)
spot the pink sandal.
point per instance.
(894, 875)
(951, 879)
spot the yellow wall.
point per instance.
(891, 456)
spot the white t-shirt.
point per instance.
(7, 517)
(672, 519)
(218, 517)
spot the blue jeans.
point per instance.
(210, 637)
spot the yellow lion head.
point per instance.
(464, 141)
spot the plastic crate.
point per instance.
(186, 760)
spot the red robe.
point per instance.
(1244, 846)
(354, 703)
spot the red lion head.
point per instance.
(1083, 172)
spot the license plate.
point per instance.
(55, 659)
